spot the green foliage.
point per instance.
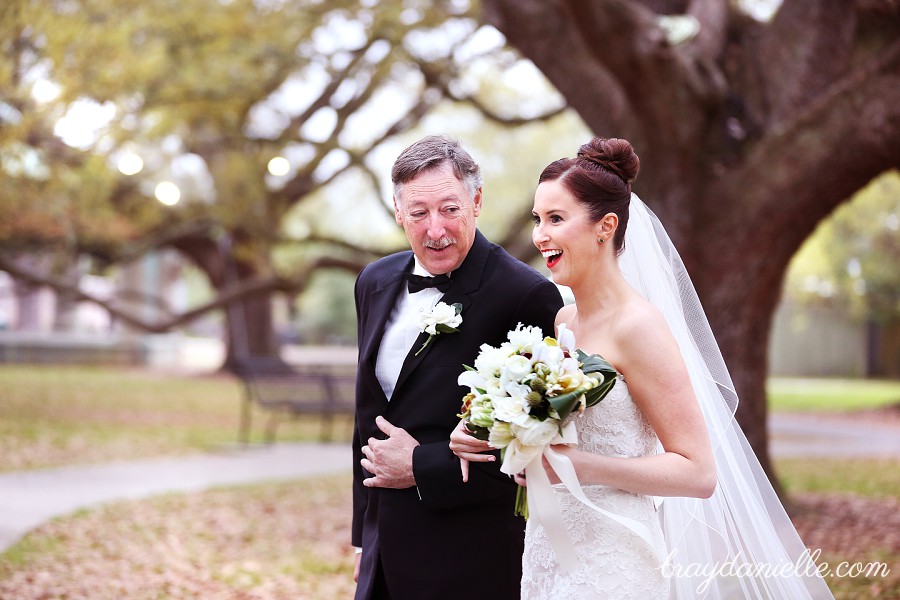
(326, 313)
(206, 94)
(53, 416)
(830, 394)
(869, 477)
(182, 77)
(850, 262)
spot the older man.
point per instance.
(422, 531)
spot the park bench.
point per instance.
(294, 391)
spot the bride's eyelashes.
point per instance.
(553, 218)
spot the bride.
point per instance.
(662, 451)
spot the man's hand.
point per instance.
(356, 568)
(390, 460)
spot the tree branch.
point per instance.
(363, 256)
(247, 288)
(337, 77)
(709, 43)
(168, 236)
(441, 80)
(573, 43)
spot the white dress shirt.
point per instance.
(401, 331)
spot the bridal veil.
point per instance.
(739, 543)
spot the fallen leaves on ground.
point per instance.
(291, 541)
(278, 541)
(854, 534)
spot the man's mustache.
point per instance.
(438, 244)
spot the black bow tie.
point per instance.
(417, 283)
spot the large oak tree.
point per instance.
(750, 132)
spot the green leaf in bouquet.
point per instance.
(595, 395)
(594, 363)
(541, 412)
(597, 366)
(565, 403)
(478, 432)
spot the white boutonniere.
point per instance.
(443, 318)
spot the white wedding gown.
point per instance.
(613, 561)
(743, 524)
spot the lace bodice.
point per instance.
(614, 562)
(616, 427)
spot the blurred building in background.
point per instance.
(38, 325)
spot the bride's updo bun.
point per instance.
(614, 154)
(600, 177)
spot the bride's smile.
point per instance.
(552, 257)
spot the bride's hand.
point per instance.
(565, 450)
(468, 448)
(551, 474)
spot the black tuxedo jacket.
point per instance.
(443, 538)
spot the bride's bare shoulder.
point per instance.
(639, 320)
(566, 314)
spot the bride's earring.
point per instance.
(600, 240)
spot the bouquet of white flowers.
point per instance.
(523, 392)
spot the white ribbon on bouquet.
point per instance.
(543, 507)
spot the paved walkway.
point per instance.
(811, 435)
(28, 498)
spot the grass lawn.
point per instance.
(60, 415)
(865, 477)
(797, 394)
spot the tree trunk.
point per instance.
(29, 297)
(249, 327)
(740, 309)
(249, 331)
(28, 306)
(66, 310)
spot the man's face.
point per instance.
(438, 217)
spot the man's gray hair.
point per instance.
(432, 152)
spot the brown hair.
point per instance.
(600, 177)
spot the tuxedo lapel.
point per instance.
(465, 280)
(383, 300)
